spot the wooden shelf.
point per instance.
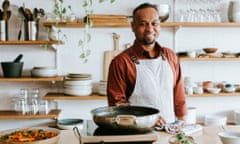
(204, 24)
(61, 96)
(38, 42)
(127, 24)
(8, 114)
(208, 59)
(32, 79)
(214, 95)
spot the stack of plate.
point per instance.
(43, 72)
(78, 84)
(102, 88)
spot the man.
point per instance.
(147, 74)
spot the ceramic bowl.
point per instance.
(207, 84)
(215, 120)
(210, 50)
(213, 90)
(43, 72)
(164, 12)
(236, 116)
(228, 137)
(70, 123)
(229, 88)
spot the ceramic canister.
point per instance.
(190, 118)
(234, 11)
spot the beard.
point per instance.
(148, 41)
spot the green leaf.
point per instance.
(89, 37)
(80, 42)
(112, 1)
(64, 10)
(82, 56)
(88, 52)
(90, 2)
(100, 1)
(85, 61)
(85, 4)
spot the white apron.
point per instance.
(154, 87)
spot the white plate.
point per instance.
(76, 92)
(78, 82)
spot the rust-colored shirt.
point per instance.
(122, 76)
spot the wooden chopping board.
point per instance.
(109, 55)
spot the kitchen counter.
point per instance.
(207, 136)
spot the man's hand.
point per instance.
(160, 121)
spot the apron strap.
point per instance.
(132, 57)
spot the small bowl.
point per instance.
(229, 88)
(69, 124)
(207, 84)
(228, 137)
(213, 90)
(215, 120)
(210, 50)
(164, 12)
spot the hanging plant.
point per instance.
(84, 42)
(59, 12)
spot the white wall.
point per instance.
(69, 61)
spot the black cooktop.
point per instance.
(92, 134)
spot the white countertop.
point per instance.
(207, 136)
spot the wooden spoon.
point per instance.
(6, 12)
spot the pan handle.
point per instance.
(78, 134)
(126, 120)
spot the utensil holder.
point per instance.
(31, 29)
(3, 30)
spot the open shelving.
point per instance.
(127, 24)
(61, 96)
(37, 42)
(32, 79)
(10, 114)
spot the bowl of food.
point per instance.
(210, 50)
(32, 135)
(229, 137)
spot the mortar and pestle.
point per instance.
(13, 69)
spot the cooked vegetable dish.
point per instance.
(28, 135)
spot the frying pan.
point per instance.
(137, 119)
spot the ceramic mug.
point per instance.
(191, 117)
(198, 90)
